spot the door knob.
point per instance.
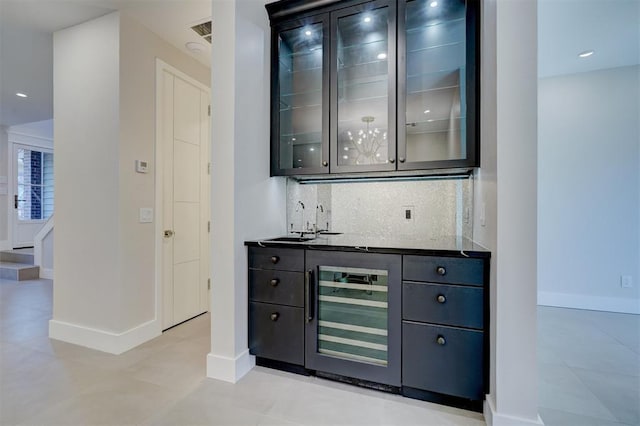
(168, 233)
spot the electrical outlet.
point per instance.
(408, 213)
(626, 281)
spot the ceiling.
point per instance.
(566, 27)
(26, 43)
(611, 28)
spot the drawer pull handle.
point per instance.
(274, 316)
(441, 341)
(275, 259)
(441, 298)
(440, 270)
(274, 282)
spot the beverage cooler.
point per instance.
(352, 315)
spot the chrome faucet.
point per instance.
(299, 208)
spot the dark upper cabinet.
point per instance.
(300, 97)
(378, 86)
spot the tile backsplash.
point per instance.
(438, 207)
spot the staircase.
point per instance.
(17, 265)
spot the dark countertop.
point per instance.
(442, 246)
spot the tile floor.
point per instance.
(589, 367)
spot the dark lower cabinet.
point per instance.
(276, 332)
(446, 360)
(417, 325)
(276, 304)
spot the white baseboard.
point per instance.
(592, 303)
(229, 369)
(5, 245)
(493, 418)
(46, 273)
(105, 341)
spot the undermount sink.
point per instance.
(291, 239)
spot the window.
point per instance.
(35, 184)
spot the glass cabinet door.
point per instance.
(435, 123)
(299, 98)
(352, 328)
(363, 88)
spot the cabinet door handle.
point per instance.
(440, 270)
(401, 160)
(274, 282)
(441, 341)
(274, 316)
(275, 259)
(441, 298)
(392, 160)
(309, 292)
(325, 163)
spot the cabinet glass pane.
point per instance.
(352, 314)
(300, 74)
(435, 80)
(363, 87)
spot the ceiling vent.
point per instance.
(203, 30)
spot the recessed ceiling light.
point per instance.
(586, 53)
(21, 95)
(312, 149)
(308, 32)
(194, 46)
(433, 4)
(382, 55)
(427, 111)
(367, 19)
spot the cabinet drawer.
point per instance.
(276, 258)
(276, 332)
(283, 287)
(452, 365)
(451, 270)
(443, 304)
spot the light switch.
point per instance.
(146, 215)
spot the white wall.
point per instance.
(589, 189)
(245, 202)
(4, 189)
(86, 113)
(139, 49)
(506, 197)
(104, 106)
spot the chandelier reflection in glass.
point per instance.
(368, 146)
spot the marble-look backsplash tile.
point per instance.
(438, 207)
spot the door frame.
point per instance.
(161, 67)
(15, 139)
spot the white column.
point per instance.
(245, 202)
(506, 195)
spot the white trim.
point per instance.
(5, 245)
(592, 303)
(37, 245)
(25, 139)
(102, 340)
(46, 273)
(229, 369)
(494, 418)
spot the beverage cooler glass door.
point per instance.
(353, 315)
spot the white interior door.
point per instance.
(33, 192)
(185, 199)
